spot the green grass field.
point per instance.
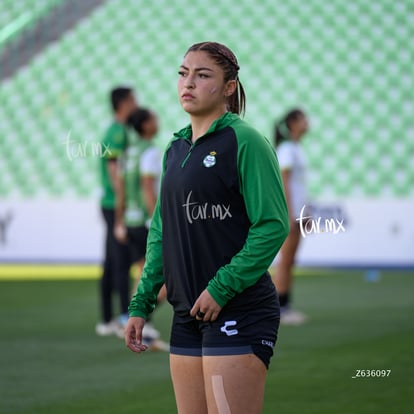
(52, 362)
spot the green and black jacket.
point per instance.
(219, 222)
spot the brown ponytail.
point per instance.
(226, 59)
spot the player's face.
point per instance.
(303, 124)
(151, 127)
(130, 104)
(201, 86)
(300, 126)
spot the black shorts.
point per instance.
(137, 242)
(235, 332)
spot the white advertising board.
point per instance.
(345, 233)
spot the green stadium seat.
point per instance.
(350, 73)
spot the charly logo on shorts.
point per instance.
(230, 332)
(210, 159)
(268, 343)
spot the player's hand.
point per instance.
(133, 334)
(120, 232)
(205, 308)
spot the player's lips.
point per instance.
(187, 96)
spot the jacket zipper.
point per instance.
(188, 155)
(192, 145)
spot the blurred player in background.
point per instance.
(115, 276)
(292, 161)
(141, 181)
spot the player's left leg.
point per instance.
(106, 326)
(234, 384)
(237, 349)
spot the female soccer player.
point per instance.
(221, 218)
(115, 275)
(292, 161)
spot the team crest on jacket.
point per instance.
(210, 160)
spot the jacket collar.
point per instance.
(220, 123)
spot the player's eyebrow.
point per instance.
(196, 69)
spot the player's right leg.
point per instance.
(188, 382)
(186, 366)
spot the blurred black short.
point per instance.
(137, 242)
(252, 331)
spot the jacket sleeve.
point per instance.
(152, 279)
(262, 190)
